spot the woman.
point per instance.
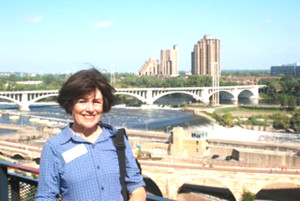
(81, 162)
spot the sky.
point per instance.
(64, 36)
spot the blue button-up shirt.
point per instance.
(91, 173)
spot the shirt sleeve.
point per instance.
(133, 177)
(49, 182)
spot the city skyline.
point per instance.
(43, 36)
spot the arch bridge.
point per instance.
(19, 151)
(171, 178)
(147, 95)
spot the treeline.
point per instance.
(49, 82)
(118, 80)
(246, 73)
(148, 81)
(285, 91)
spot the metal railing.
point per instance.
(16, 185)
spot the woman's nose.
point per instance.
(90, 107)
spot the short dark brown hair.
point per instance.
(81, 83)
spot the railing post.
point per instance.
(3, 184)
(15, 190)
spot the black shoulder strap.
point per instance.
(120, 146)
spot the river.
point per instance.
(137, 118)
(157, 118)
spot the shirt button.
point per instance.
(93, 146)
(102, 188)
(98, 167)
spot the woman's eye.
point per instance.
(97, 101)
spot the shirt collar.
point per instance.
(67, 133)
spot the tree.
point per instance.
(199, 81)
(280, 121)
(292, 103)
(247, 196)
(227, 120)
(184, 104)
(289, 84)
(295, 122)
(273, 87)
(298, 101)
(284, 100)
(216, 116)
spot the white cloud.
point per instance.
(103, 24)
(34, 19)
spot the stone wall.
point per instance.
(265, 158)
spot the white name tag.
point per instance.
(74, 152)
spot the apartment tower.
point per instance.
(169, 62)
(206, 57)
(150, 68)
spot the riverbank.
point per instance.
(239, 133)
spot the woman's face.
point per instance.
(87, 110)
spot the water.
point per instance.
(179, 99)
(137, 118)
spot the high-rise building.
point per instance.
(167, 66)
(206, 57)
(150, 68)
(169, 61)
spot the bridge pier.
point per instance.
(235, 100)
(149, 98)
(206, 101)
(24, 104)
(24, 107)
(149, 102)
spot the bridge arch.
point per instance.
(42, 97)
(131, 94)
(10, 99)
(18, 156)
(197, 98)
(37, 160)
(226, 93)
(245, 94)
(289, 190)
(206, 184)
(151, 185)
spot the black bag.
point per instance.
(120, 146)
(119, 143)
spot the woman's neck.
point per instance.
(90, 135)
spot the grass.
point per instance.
(259, 111)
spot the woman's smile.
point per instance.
(87, 111)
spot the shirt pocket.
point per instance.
(109, 160)
(78, 170)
